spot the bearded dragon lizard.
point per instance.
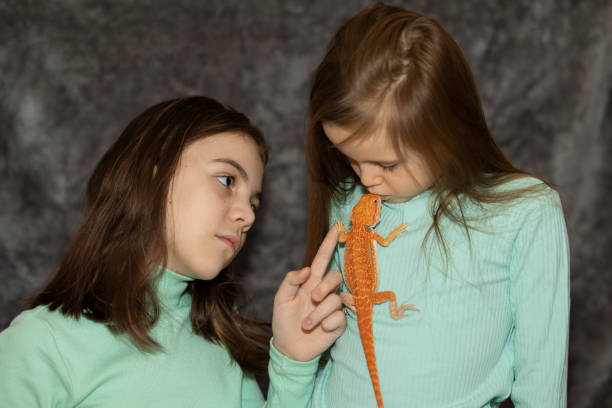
(362, 276)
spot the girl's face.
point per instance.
(396, 179)
(211, 203)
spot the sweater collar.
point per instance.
(171, 288)
(417, 200)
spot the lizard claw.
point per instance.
(342, 236)
(401, 310)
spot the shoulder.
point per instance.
(527, 186)
(32, 329)
(536, 213)
(49, 331)
(29, 322)
(529, 195)
(30, 343)
(33, 367)
(517, 204)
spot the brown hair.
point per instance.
(108, 272)
(392, 69)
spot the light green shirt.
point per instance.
(50, 360)
(493, 319)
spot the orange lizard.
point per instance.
(362, 275)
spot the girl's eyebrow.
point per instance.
(241, 171)
(236, 165)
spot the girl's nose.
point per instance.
(369, 176)
(243, 214)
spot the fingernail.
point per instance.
(307, 323)
(317, 294)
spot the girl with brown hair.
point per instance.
(143, 310)
(394, 111)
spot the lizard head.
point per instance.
(367, 210)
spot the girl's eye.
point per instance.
(227, 181)
(254, 208)
(389, 167)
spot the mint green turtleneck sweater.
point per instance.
(50, 360)
(493, 319)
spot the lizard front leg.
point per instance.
(348, 300)
(386, 241)
(395, 311)
(342, 236)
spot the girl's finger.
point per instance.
(291, 284)
(325, 252)
(334, 322)
(328, 284)
(329, 305)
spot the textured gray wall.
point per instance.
(73, 73)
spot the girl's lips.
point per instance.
(230, 241)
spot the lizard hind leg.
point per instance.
(395, 311)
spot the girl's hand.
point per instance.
(307, 316)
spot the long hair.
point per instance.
(108, 272)
(398, 71)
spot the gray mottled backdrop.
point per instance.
(73, 73)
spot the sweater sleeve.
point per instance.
(540, 300)
(291, 382)
(32, 370)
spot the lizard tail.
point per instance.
(367, 341)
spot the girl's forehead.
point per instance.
(229, 148)
(221, 143)
(372, 147)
